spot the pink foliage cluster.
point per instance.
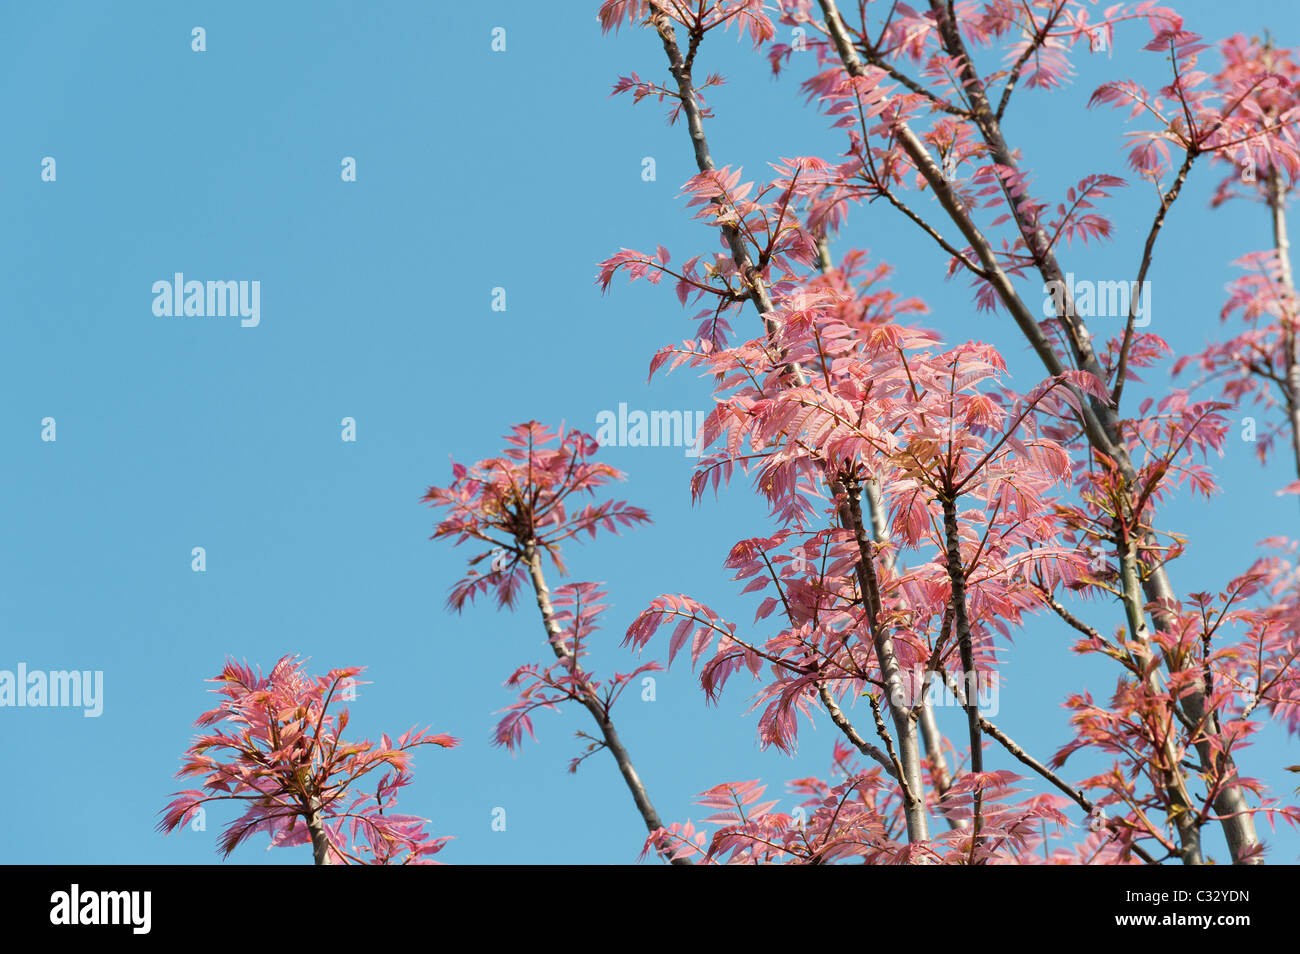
(839, 397)
(526, 497)
(279, 752)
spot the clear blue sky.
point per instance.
(475, 170)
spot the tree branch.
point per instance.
(1168, 200)
(554, 636)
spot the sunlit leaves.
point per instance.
(279, 751)
(529, 496)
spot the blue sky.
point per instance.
(475, 170)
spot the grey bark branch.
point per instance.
(1148, 250)
(1282, 245)
(320, 844)
(940, 776)
(855, 738)
(892, 676)
(1182, 814)
(993, 732)
(957, 577)
(554, 636)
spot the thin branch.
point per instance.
(1040, 37)
(1076, 796)
(1168, 200)
(857, 741)
(555, 637)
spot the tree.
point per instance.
(284, 757)
(922, 509)
(837, 403)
